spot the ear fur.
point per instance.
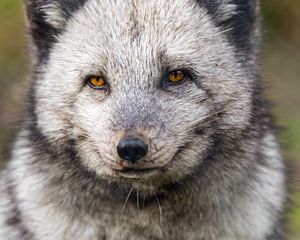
(47, 19)
(238, 18)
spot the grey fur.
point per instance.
(219, 174)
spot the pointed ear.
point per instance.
(46, 20)
(239, 19)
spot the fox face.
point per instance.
(142, 89)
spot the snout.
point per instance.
(135, 158)
(132, 149)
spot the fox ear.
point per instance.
(46, 20)
(239, 19)
(45, 12)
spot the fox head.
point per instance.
(144, 90)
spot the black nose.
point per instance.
(132, 149)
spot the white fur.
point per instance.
(227, 9)
(54, 15)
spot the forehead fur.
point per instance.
(136, 17)
(123, 30)
(48, 19)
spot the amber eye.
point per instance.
(96, 82)
(176, 76)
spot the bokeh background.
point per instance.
(280, 64)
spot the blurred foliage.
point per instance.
(281, 67)
(284, 18)
(13, 62)
(280, 63)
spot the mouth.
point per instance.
(134, 173)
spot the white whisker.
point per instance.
(138, 201)
(159, 208)
(125, 203)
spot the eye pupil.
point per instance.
(97, 82)
(176, 76)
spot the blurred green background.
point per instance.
(281, 68)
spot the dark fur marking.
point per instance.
(135, 28)
(242, 23)
(277, 234)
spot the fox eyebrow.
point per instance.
(176, 60)
(174, 64)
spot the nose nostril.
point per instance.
(132, 149)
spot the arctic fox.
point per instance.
(145, 120)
